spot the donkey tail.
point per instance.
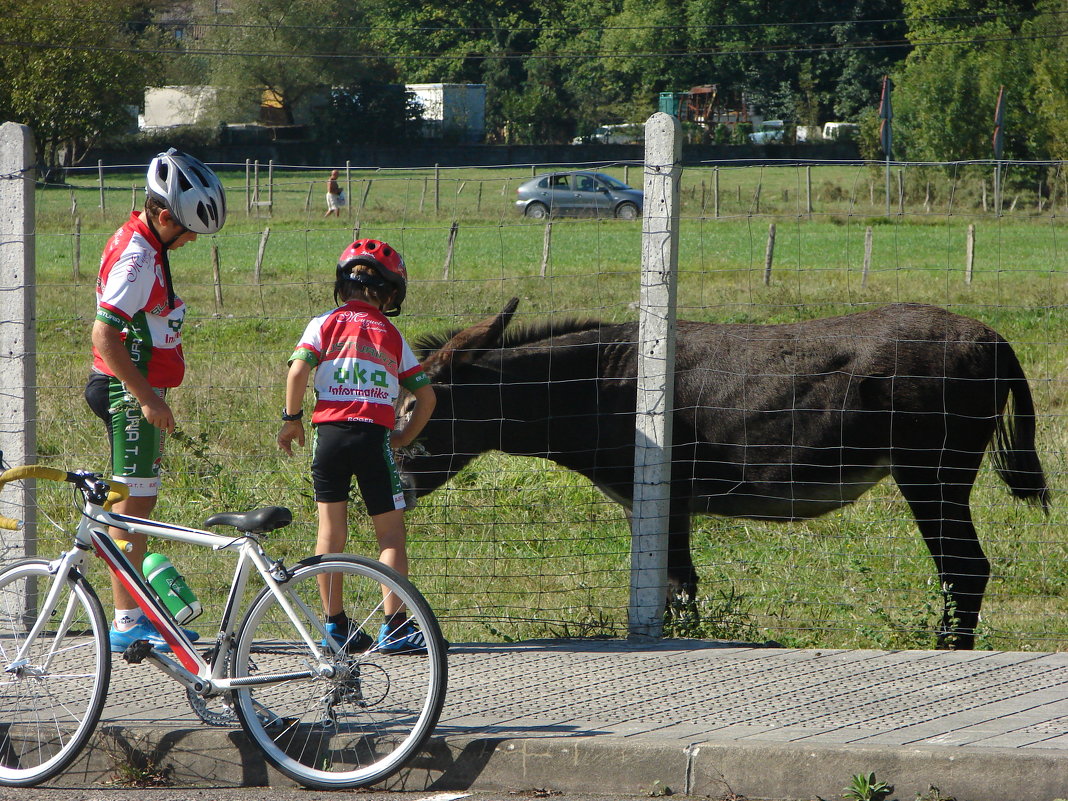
(1014, 456)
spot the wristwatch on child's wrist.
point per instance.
(287, 416)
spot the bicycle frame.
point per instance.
(191, 670)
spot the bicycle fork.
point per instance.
(61, 570)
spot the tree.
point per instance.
(1049, 85)
(287, 50)
(946, 89)
(464, 41)
(73, 68)
(369, 113)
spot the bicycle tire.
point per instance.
(363, 724)
(50, 705)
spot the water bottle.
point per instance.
(171, 588)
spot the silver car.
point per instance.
(578, 193)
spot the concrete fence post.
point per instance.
(18, 335)
(656, 381)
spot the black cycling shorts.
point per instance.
(344, 450)
(136, 444)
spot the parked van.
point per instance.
(840, 131)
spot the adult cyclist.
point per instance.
(137, 347)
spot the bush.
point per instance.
(190, 138)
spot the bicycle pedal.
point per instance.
(136, 651)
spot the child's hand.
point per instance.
(291, 430)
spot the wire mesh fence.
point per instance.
(517, 547)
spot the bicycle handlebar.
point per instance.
(116, 491)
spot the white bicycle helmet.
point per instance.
(189, 190)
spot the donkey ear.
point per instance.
(464, 346)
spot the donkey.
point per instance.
(771, 422)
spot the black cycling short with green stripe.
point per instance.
(136, 444)
(342, 451)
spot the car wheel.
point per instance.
(536, 211)
(627, 211)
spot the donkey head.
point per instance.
(449, 441)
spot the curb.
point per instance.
(603, 765)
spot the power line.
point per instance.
(786, 49)
(972, 19)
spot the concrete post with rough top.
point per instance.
(18, 348)
(656, 383)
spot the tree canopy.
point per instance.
(73, 69)
(554, 69)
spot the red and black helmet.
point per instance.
(387, 263)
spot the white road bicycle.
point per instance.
(329, 715)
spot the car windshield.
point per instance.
(612, 182)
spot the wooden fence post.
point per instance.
(248, 187)
(270, 186)
(715, 191)
(259, 254)
(808, 190)
(769, 255)
(216, 275)
(868, 235)
(449, 248)
(546, 248)
(100, 178)
(437, 189)
(363, 197)
(77, 249)
(969, 254)
(256, 184)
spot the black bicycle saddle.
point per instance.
(258, 521)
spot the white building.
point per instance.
(452, 110)
(168, 106)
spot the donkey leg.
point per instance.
(938, 498)
(682, 576)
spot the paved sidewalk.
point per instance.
(700, 718)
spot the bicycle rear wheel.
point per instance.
(50, 702)
(360, 725)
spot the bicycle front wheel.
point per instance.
(51, 698)
(358, 721)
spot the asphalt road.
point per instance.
(293, 794)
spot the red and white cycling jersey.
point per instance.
(361, 361)
(131, 295)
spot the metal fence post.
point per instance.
(656, 384)
(18, 333)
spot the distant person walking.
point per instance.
(335, 197)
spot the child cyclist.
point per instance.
(360, 362)
(137, 347)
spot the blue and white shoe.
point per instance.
(143, 630)
(354, 641)
(404, 639)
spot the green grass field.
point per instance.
(517, 548)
